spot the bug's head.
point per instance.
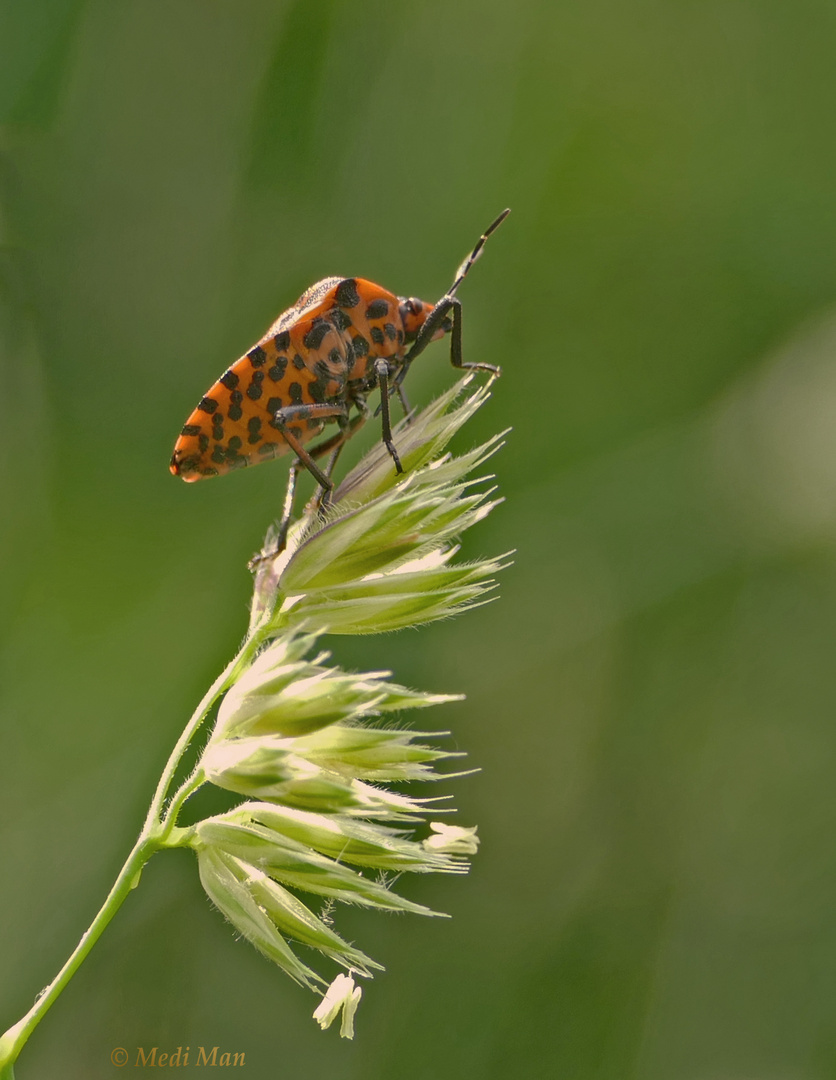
(414, 314)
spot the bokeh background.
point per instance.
(652, 701)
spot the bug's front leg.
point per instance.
(448, 307)
(455, 305)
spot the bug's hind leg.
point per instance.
(295, 414)
(332, 446)
(287, 505)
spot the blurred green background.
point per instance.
(651, 701)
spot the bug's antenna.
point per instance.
(462, 271)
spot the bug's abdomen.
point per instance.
(234, 423)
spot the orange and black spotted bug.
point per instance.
(343, 338)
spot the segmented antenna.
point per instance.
(463, 270)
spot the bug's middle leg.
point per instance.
(381, 370)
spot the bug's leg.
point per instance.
(448, 308)
(381, 370)
(396, 387)
(295, 413)
(287, 508)
(341, 437)
(425, 336)
(456, 345)
(334, 446)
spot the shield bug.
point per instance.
(343, 338)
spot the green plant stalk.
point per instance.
(156, 834)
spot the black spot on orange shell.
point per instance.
(295, 391)
(339, 319)
(377, 335)
(390, 331)
(313, 338)
(360, 345)
(235, 412)
(254, 390)
(346, 294)
(276, 372)
(282, 341)
(273, 405)
(257, 356)
(191, 429)
(207, 405)
(298, 362)
(229, 379)
(377, 309)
